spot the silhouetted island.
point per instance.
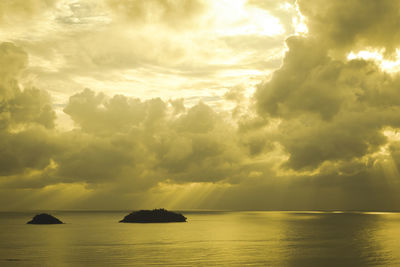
(153, 216)
(44, 218)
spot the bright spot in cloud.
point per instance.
(235, 18)
(299, 23)
(377, 56)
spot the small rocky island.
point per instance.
(44, 218)
(153, 216)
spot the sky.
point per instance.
(199, 104)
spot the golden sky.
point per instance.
(199, 104)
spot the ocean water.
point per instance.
(207, 239)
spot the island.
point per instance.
(44, 218)
(153, 216)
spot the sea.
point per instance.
(208, 238)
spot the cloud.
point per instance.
(32, 105)
(330, 110)
(21, 11)
(321, 127)
(305, 82)
(97, 114)
(16, 60)
(29, 149)
(353, 24)
(277, 9)
(174, 13)
(119, 141)
(166, 46)
(120, 145)
(93, 160)
(25, 117)
(20, 106)
(140, 135)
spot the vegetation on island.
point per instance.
(44, 218)
(153, 216)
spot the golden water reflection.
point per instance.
(208, 238)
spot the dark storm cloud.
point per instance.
(28, 149)
(16, 106)
(353, 24)
(25, 116)
(330, 110)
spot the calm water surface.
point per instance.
(207, 239)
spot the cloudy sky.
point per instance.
(199, 104)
